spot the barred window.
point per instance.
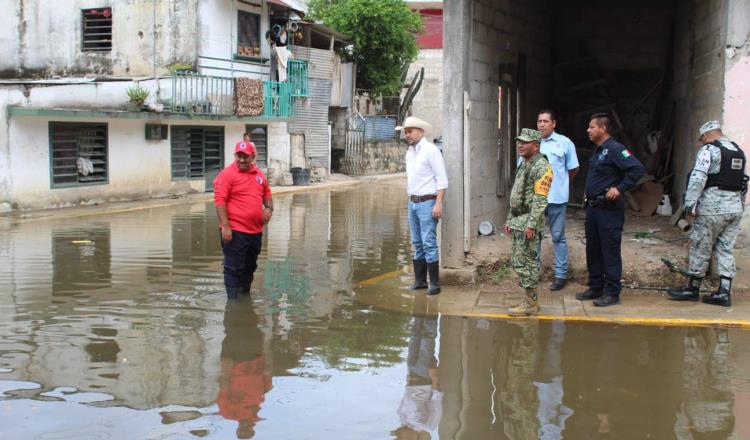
(259, 134)
(196, 151)
(78, 153)
(97, 30)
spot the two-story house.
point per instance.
(73, 75)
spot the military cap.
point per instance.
(708, 126)
(529, 135)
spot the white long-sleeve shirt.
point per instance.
(425, 169)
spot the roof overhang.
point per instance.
(121, 114)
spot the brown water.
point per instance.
(117, 326)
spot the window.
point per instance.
(196, 151)
(97, 30)
(78, 153)
(260, 139)
(248, 34)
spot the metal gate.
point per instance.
(353, 162)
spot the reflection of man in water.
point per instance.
(421, 406)
(552, 413)
(244, 380)
(707, 408)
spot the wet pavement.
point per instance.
(116, 326)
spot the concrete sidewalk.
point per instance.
(390, 291)
(335, 181)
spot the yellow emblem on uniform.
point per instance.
(541, 186)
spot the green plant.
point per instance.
(137, 94)
(180, 67)
(502, 273)
(383, 36)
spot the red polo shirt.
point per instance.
(243, 193)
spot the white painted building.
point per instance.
(69, 137)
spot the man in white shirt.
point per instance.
(426, 184)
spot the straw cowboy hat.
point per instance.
(412, 122)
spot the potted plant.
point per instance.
(138, 96)
(180, 68)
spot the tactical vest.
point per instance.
(732, 171)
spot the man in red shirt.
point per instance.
(244, 206)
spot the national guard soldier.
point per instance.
(525, 224)
(715, 197)
(612, 170)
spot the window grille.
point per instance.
(260, 140)
(196, 150)
(97, 30)
(78, 153)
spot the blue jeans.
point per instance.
(556, 220)
(423, 230)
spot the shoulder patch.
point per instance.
(541, 186)
(703, 161)
(626, 153)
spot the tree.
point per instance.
(382, 33)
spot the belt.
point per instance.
(420, 199)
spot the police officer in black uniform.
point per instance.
(612, 170)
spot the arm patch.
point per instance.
(703, 161)
(541, 186)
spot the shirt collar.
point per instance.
(551, 137)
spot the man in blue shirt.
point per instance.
(612, 170)
(561, 154)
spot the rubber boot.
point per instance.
(434, 270)
(530, 307)
(690, 292)
(233, 292)
(246, 289)
(723, 296)
(420, 274)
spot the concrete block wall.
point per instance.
(698, 79)
(428, 104)
(483, 35)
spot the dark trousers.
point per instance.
(603, 240)
(241, 259)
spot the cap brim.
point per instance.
(524, 139)
(399, 128)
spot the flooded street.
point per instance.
(117, 326)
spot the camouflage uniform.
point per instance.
(719, 212)
(528, 199)
(715, 194)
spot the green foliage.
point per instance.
(180, 67)
(383, 35)
(137, 94)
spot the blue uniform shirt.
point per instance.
(612, 165)
(561, 154)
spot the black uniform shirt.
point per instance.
(612, 165)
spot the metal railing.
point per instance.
(202, 94)
(277, 99)
(298, 77)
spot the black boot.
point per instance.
(420, 274)
(233, 292)
(589, 294)
(723, 296)
(434, 269)
(246, 288)
(690, 292)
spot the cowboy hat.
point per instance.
(412, 122)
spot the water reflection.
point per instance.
(122, 319)
(245, 378)
(421, 407)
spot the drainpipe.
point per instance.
(158, 85)
(467, 172)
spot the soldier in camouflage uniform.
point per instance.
(525, 223)
(715, 197)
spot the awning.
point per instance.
(290, 4)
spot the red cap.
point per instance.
(244, 147)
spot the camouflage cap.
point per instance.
(529, 135)
(709, 126)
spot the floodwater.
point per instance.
(117, 327)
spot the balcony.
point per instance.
(298, 78)
(212, 96)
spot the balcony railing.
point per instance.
(277, 99)
(202, 94)
(298, 77)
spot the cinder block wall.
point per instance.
(428, 104)
(479, 36)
